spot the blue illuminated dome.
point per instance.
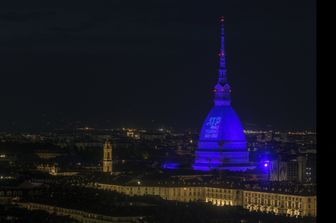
(222, 126)
(222, 143)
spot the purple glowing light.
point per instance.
(222, 124)
(265, 164)
(170, 166)
(222, 141)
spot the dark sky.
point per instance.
(154, 63)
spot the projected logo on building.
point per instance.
(212, 127)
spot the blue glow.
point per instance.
(223, 124)
(171, 166)
(265, 163)
(222, 143)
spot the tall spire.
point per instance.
(222, 88)
(222, 79)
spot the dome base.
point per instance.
(241, 167)
(222, 143)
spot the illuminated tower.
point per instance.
(107, 160)
(222, 143)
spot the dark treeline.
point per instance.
(12, 214)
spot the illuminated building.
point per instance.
(107, 161)
(301, 169)
(278, 171)
(280, 203)
(222, 143)
(273, 202)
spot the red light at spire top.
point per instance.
(222, 18)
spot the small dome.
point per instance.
(219, 87)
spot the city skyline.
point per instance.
(129, 65)
(155, 111)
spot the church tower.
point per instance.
(107, 159)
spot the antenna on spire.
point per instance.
(222, 88)
(222, 63)
(222, 34)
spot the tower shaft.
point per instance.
(222, 78)
(107, 159)
(222, 88)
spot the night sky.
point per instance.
(154, 63)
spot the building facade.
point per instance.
(291, 205)
(261, 201)
(301, 169)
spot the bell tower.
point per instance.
(107, 159)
